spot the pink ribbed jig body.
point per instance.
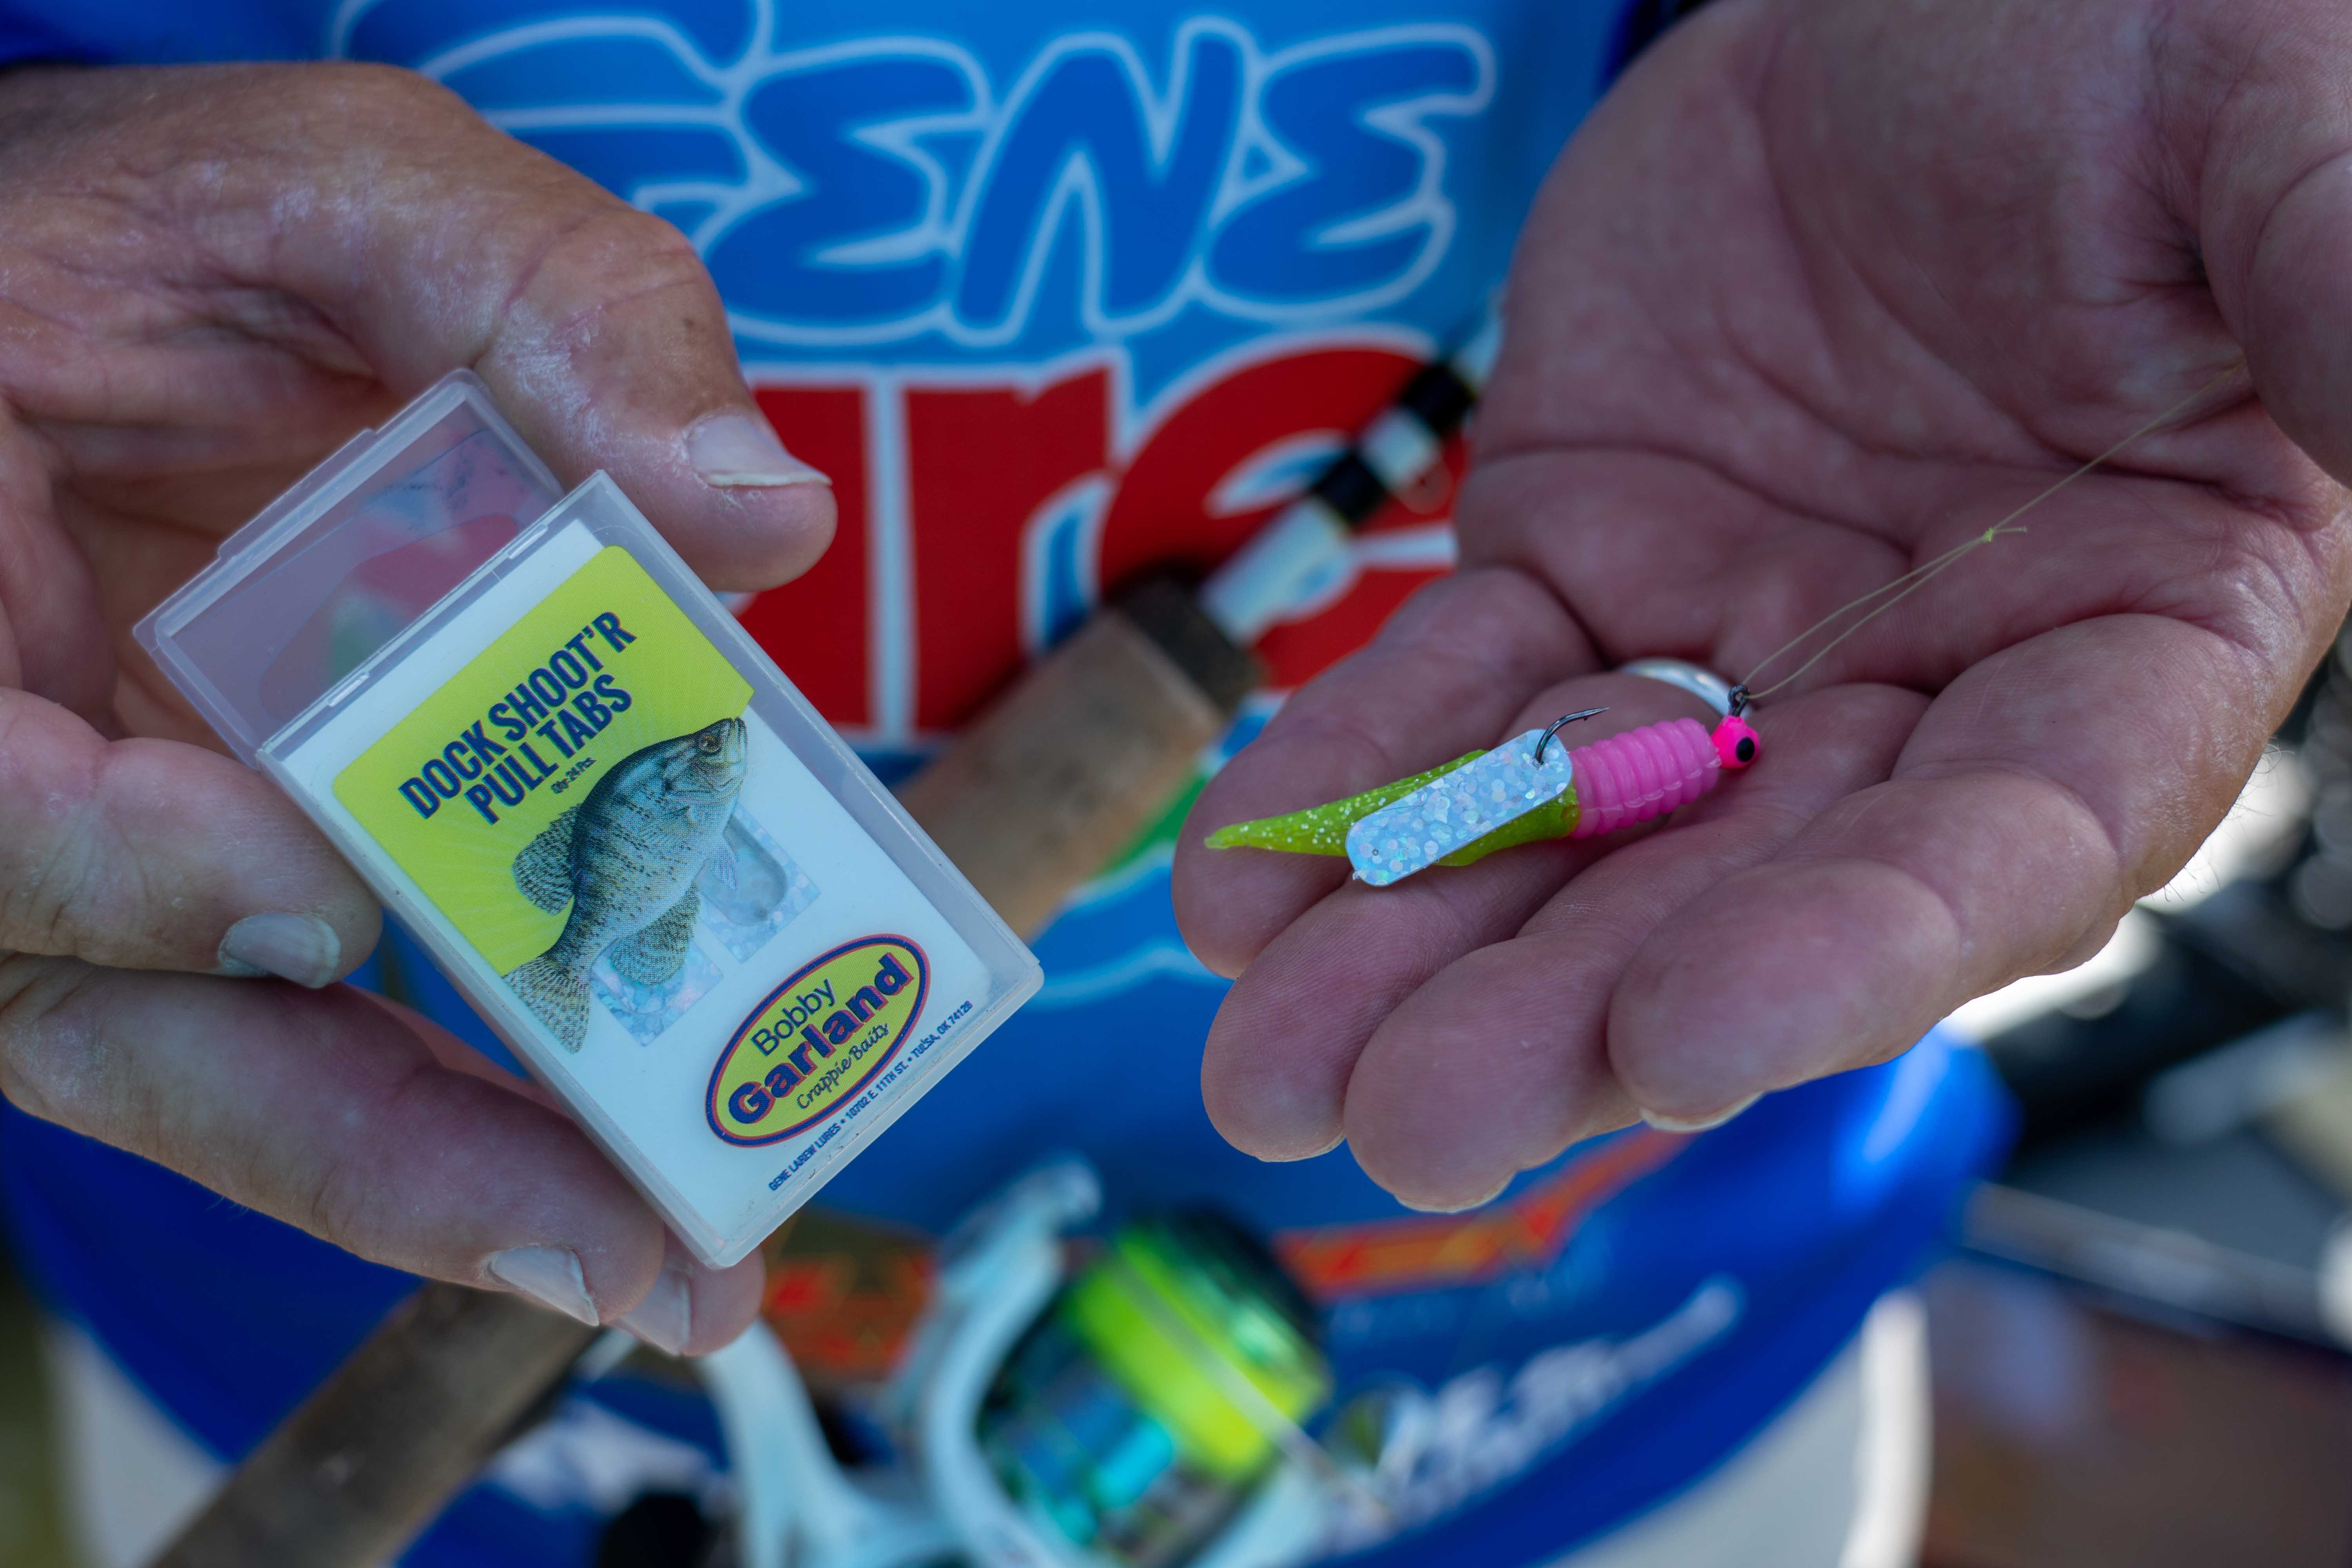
(1642, 774)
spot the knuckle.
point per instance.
(344, 1197)
(367, 92)
(620, 253)
(68, 884)
(45, 842)
(606, 261)
(336, 1203)
(38, 1070)
(40, 885)
(659, 244)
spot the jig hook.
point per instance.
(1555, 726)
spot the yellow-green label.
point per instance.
(604, 666)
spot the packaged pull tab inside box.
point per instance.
(636, 851)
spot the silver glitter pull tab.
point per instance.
(1443, 815)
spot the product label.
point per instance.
(817, 1039)
(594, 817)
(563, 795)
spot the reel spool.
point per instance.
(1158, 1393)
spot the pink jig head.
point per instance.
(1737, 743)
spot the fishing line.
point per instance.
(1918, 577)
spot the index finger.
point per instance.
(144, 854)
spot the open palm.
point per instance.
(1824, 289)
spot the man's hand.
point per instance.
(208, 279)
(1825, 287)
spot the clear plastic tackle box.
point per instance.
(610, 818)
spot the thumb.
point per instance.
(2273, 213)
(594, 324)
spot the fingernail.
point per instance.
(548, 1275)
(665, 1318)
(1697, 1123)
(1459, 1208)
(300, 948)
(1315, 1153)
(736, 449)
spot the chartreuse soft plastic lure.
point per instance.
(1527, 790)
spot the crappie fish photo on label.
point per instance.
(625, 860)
(564, 794)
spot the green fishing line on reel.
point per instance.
(1158, 1392)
